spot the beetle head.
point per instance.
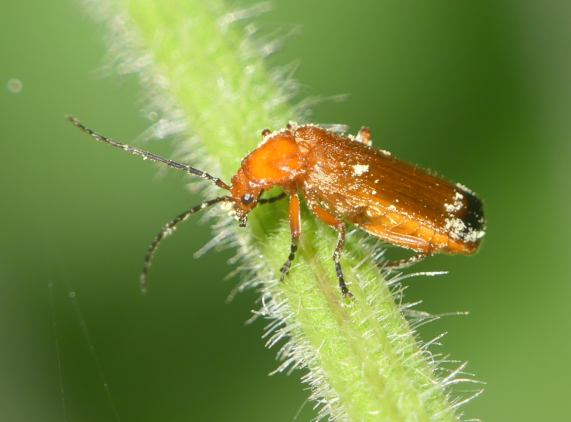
(245, 197)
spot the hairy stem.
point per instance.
(205, 73)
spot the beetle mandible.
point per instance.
(343, 179)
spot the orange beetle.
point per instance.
(343, 179)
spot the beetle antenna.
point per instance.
(167, 230)
(148, 155)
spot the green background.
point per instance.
(480, 91)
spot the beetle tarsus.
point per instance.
(344, 290)
(285, 268)
(337, 258)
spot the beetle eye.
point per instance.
(247, 199)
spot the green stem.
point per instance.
(363, 360)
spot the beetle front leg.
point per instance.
(295, 226)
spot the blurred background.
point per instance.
(480, 91)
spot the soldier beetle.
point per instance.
(343, 179)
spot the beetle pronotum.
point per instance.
(343, 179)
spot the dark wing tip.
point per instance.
(473, 216)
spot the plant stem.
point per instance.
(363, 359)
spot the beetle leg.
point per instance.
(273, 199)
(364, 136)
(339, 226)
(406, 262)
(295, 226)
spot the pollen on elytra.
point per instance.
(360, 169)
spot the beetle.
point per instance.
(343, 179)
